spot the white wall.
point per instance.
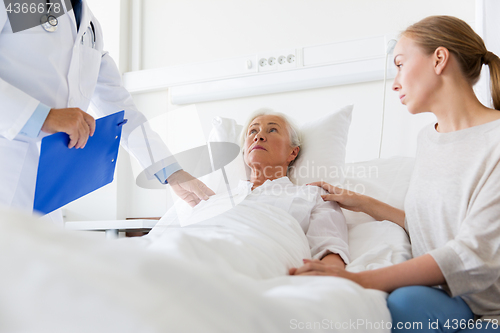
(182, 32)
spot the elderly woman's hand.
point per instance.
(346, 199)
(318, 268)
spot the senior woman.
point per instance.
(273, 224)
(271, 143)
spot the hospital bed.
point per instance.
(61, 281)
(111, 228)
(67, 281)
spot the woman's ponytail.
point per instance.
(493, 63)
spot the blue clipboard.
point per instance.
(65, 175)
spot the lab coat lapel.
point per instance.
(75, 98)
(84, 21)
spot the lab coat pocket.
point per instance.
(13, 154)
(90, 63)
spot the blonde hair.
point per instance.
(294, 133)
(460, 40)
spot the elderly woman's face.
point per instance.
(267, 142)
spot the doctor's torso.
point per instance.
(60, 68)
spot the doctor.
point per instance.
(48, 78)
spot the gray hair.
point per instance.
(294, 133)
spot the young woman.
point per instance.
(452, 208)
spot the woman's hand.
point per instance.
(346, 199)
(362, 203)
(316, 267)
(419, 271)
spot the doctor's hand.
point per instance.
(72, 121)
(346, 199)
(189, 188)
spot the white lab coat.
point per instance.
(58, 70)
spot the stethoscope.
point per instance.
(49, 22)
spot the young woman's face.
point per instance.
(415, 81)
(267, 142)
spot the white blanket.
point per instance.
(225, 275)
(254, 239)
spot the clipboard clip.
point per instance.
(122, 122)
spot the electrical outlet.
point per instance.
(287, 59)
(277, 60)
(267, 62)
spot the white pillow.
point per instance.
(385, 179)
(323, 149)
(322, 153)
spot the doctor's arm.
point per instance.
(111, 96)
(16, 106)
(24, 115)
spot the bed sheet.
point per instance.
(322, 303)
(59, 281)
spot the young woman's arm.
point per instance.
(381, 211)
(423, 271)
(361, 203)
